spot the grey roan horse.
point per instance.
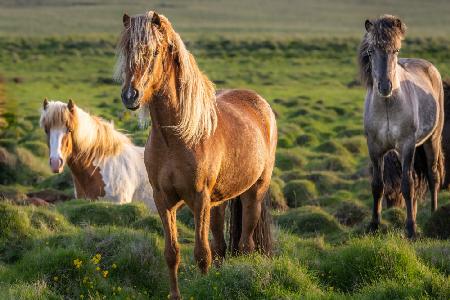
(403, 110)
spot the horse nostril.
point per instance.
(134, 93)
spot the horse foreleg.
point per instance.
(408, 188)
(219, 246)
(432, 152)
(377, 190)
(202, 252)
(168, 216)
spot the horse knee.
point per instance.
(172, 256)
(247, 245)
(203, 257)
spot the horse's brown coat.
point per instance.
(228, 151)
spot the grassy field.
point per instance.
(302, 60)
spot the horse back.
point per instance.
(238, 107)
(423, 85)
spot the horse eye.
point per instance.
(396, 51)
(156, 52)
(370, 51)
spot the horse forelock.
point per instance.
(196, 93)
(386, 33)
(136, 44)
(56, 114)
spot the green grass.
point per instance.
(300, 56)
(248, 18)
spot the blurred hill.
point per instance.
(248, 18)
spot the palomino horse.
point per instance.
(404, 109)
(203, 148)
(104, 163)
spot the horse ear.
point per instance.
(45, 104)
(156, 20)
(126, 20)
(400, 25)
(368, 25)
(71, 106)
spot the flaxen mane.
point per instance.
(93, 138)
(386, 32)
(138, 47)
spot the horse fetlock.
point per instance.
(411, 229)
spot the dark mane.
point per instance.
(386, 32)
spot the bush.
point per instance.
(37, 148)
(253, 277)
(350, 213)
(365, 261)
(299, 192)
(277, 200)
(396, 216)
(331, 162)
(75, 264)
(434, 253)
(438, 226)
(356, 145)
(309, 221)
(327, 182)
(102, 213)
(288, 159)
(333, 147)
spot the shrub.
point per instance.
(75, 264)
(434, 253)
(332, 162)
(102, 213)
(253, 277)
(38, 148)
(396, 216)
(288, 159)
(307, 139)
(333, 147)
(277, 200)
(350, 213)
(309, 221)
(299, 192)
(438, 226)
(356, 145)
(365, 261)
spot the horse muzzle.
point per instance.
(57, 165)
(130, 98)
(385, 88)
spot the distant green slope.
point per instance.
(249, 18)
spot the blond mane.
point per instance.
(94, 139)
(196, 93)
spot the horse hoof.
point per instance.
(411, 231)
(374, 227)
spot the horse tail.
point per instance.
(262, 236)
(392, 177)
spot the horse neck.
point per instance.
(163, 107)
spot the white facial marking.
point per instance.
(56, 136)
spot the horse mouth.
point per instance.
(134, 107)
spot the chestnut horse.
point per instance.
(204, 148)
(404, 109)
(104, 163)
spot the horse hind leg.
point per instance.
(252, 201)
(219, 246)
(432, 152)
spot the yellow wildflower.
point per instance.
(114, 266)
(98, 268)
(77, 263)
(119, 288)
(105, 273)
(55, 278)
